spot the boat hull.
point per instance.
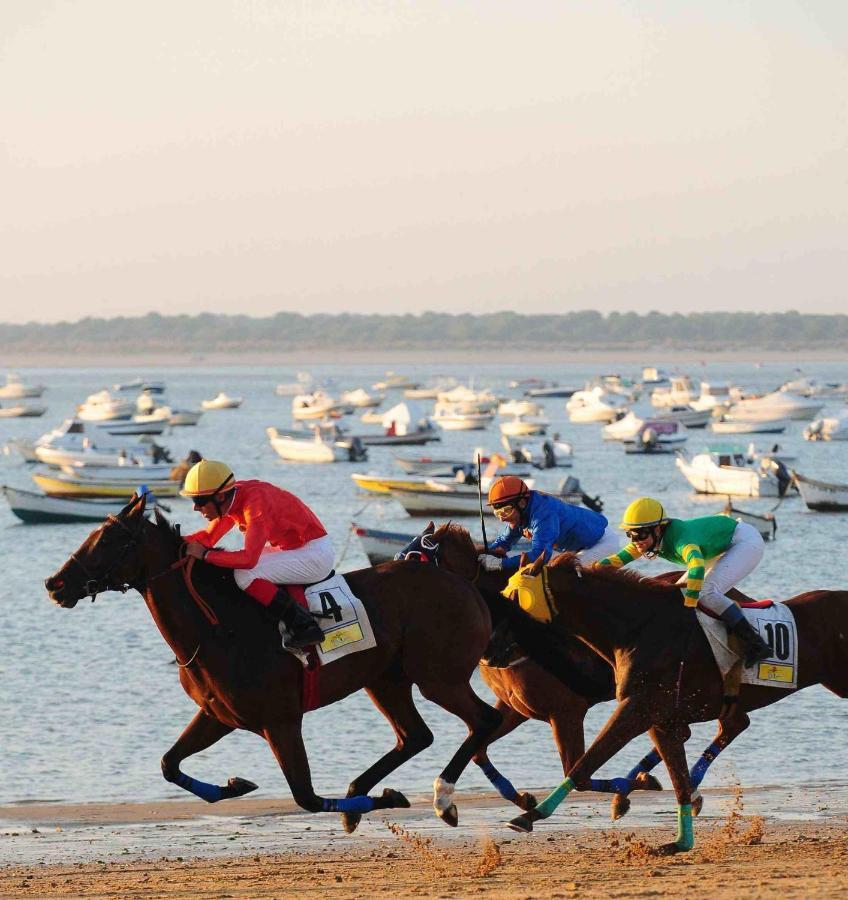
(38, 509)
(58, 486)
(822, 496)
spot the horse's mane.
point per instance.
(647, 588)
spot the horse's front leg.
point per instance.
(203, 731)
(286, 741)
(511, 720)
(670, 740)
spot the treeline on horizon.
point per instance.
(208, 332)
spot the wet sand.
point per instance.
(778, 842)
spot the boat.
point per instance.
(464, 399)
(222, 401)
(765, 523)
(616, 384)
(822, 496)
(103, 406)
(16, 389)
(550, 390)
(830, 428)
(451, 420)
(683, 413)
(681, 392)
(84, 440)
(22, 411)
(394, 382)
(403, 424)
(595, 405)
(140, 384)
(430, 391)
(520, 408)
(715, 395)
(316, 405)
(548, 454)
(322, 443)
(34, 508)
(303, 385)
(656, 437)
(155, 408)
(524, 425)
(61, 485)
(626, 427)
(652, 377)
(142, 473)
(447, 477)
(441, 465)
(361, 399)
(722, 425)
(728, 470)
(94, 457)
(774, 406)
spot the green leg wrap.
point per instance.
(553, 800)
(685, 831)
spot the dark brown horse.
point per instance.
(644, 631)
(558, 684)
(239, 676)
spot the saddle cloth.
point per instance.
(341, 615)
(776, 626)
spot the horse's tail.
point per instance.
(568, 659)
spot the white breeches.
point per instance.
(740, 559)
(609, 543)
(307, 564)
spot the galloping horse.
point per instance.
(557, 684)
(666, 675)
(232, 665)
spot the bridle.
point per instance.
(421, 548)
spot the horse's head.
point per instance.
(105, 561)
(423, 547)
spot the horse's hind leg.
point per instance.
(202, 732)
(394, 700)
(511, 720)
(670, 741)
(728, 730)
(481, 719)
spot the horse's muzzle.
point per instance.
(58, 591)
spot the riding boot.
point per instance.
(303, 630)
(756, 649)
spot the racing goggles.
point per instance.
(504, 510)
(640, 534)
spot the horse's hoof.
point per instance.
(524, 824)
(697, 803)
(527, 802)
(671, 849)
(350, 821)
(644, 781)
(393, 799)
(449, 816)
(619, 806)
(238, 787)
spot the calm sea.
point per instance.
(89, 698)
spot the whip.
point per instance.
(480, 496)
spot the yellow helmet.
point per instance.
(643, 512)
(207, 478)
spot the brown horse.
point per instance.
(666, 675)
(235, 670)
(558, 684)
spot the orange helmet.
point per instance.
(506, 489)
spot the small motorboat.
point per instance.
(595, 405)
(139, 473)
(681, 392)
(822, 496)
(715, 395)
(656, 437)
(519, 426)
(34, 508)
(521, 408)
(361, 399)
(104, 407)
(402, 424)
(774, 406)
(543, 392)
(395, 382)
(723, 425)
(222, 401)
(830, 428)
(22, 411)
(316, 405)
(16, 389)
(320, 444)
(548, 454)
(62, 485)
(728, 470)
(453, 420)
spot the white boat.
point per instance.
(520, 408)
(137, 474)
(395, 382)
(35, 508)
(222, 401)
(16, 389)
(765, 523)
(715, 395)
(524, 425)
(822, 496)
(624, 428)
(103, 406)
(404, 423)
(321, 443)
(141, 384)
(449, 420)
(548, 454)
(774, 452)
(316, 405)
(430, 391)
(361, 399)
(543, 392)
(652, 377)
(463, 399)
(616, 384)
(444, 465)
(85, 441)
(595, 406)
(181, 417)
(93, 457)
(727, 470)
(680, 392)
(305, 382)
(776, 405)
(734, 426)
(22, 411)
(656, 437)
(683, 413)
(830, 428)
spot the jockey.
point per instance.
(550, 524)
(735, 547)
(284, 542)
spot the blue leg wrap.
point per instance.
(696, 776)
(211, 793)
(361, 804)
(612, 785)
(502, 785)
(649, 762)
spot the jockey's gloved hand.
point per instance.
(490, 563)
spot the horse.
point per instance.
(550, 680)
(232, 665)
(666, 675)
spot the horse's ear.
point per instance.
(430, 528)
(133, 503)
(539, 563)
(161, 521)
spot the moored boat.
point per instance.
(222, 401)
(321, 444)
(727, 470)
(721, 425)
(16, 389)
(35, 508)
(61, 485)
(524, 425)
(656, 437)
(21, 411)
(822, 496)
(104, 407)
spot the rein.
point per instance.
(186, 563)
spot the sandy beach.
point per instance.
(763, 843)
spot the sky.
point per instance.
(257, 156)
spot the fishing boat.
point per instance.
(727, 470)
(22, 411)
(34, 508)
(62, 485)
(16, 389)
(822, 496)
(321, 444)
(222, 401)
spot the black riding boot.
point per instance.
(756, 649)
(303, 630)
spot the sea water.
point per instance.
(90, 699)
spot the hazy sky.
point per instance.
(466, 155)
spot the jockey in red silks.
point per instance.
(284, 542)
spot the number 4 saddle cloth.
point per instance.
(776, 626)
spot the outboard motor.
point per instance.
(548, 455)
(357, 452)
